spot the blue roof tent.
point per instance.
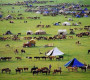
(30, 5)
(78, 16)
(56, 24)
(85, 9)
(63, 7)
(0, 16)
(74, 62)
(85, 15)
(46, 9)
(82, 12)
(46, 12)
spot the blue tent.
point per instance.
(74, 62)
(82, 12)
(78, 16)
(56, 24)
(30, 5)
(85, 9)
(85, 15)
(45, 12)
(63, 7)
(0, 16)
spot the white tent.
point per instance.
(60, 31)
(66, 23)
(54, 52)
(40, 32)
(29, 32)
(38, 12)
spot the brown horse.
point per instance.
(6, 70)
(71, 37)
(18, 58)
(72, 68)
(56, 71)
(78, 42)
(20, 69)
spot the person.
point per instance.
(50, 67)
(16, 51)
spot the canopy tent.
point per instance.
(85, 15)
(78, 16)
(29, 32)
(85, 9)
(74, 62)
(9, 17)
(40, 32)
(56, 24)
(63, 32)
(38, 12)
(54, 52)
(66, 23)
(1, 15)
(8, 33)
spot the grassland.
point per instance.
(67, 46)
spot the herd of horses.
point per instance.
(55, 37)
(46, 70)
(35, 58)
(34, 70)
(42, 26)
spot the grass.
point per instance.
(67, 46)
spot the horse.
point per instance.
(83, 68)
(18, 70)
(58, 58)
(44, 57)
(18, 58)
(35, 72)
(72, 68)
(37, 58)
(22, 51)
(71, 37)
(6, 70)
(88, 51)
(51, 57)
(88, 67)
(44, 68)
(78, 42)
(34, 68)
(7, 45)
(61, 57)
(29, 57)
(45, 71)
(56, 71)
(25, 68)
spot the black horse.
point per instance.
(61, 57)
(22, 51)
(35, 72)
(88, 51)
(46, 71)
(83, 68)
(34, 68)
(6, 70)
(18, 70)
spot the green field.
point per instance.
(67, 46)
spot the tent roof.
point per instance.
(55, 52)
(40, 31)
(74, 62)
(60, 30)
(67, 23)
(29, 31)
